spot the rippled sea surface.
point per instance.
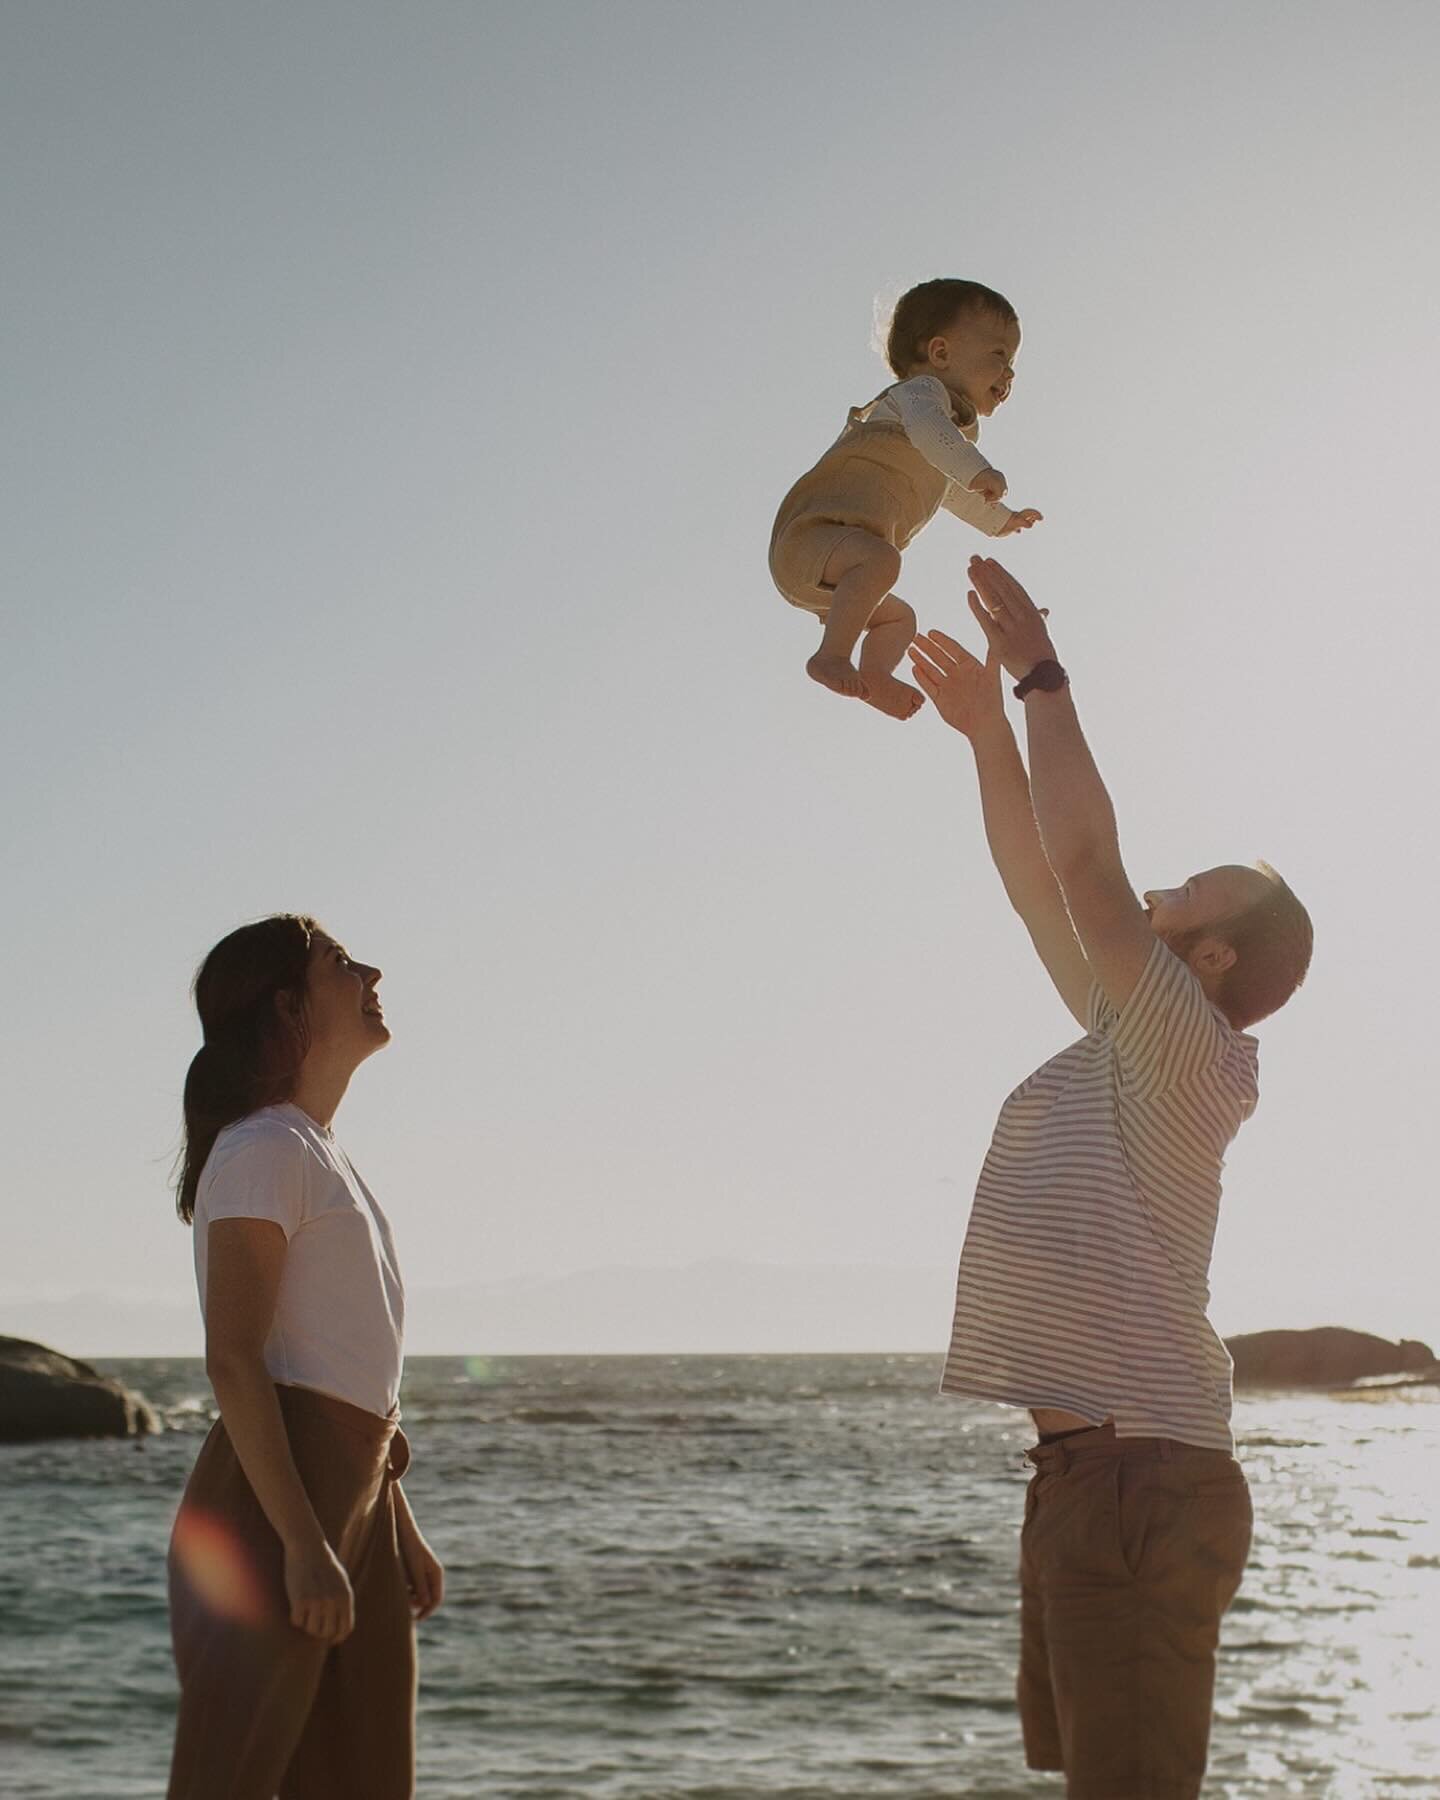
(728, 1576)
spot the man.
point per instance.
(1083, 1279)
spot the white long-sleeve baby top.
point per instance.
(921, 406)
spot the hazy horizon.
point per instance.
(398, 403)
(710, 1306)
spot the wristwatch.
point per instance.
(1048, 676)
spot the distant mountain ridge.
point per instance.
(720, 1305)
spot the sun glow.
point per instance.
(218, 1567)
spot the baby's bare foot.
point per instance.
(840, 676)
(897, 698)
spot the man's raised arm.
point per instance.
(1072, 809)
(967, 696)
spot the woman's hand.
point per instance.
(1014, 626)
(423, 1571)
(1020, 521)
(966, 692)
(322, 1602)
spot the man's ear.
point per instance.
(1212, 956)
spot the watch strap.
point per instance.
(1048, 676)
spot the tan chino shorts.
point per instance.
(1130, 1553)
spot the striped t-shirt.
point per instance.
(1084, 1276)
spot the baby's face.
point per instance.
(976, 357)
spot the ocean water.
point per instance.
(715, 1577)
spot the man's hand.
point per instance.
(990, 485)
(966, 692)
(1020, 521)
(1014, 626)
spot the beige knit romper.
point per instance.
(872, 479)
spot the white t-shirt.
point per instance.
(340, 1313)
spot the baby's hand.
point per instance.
(990, 484)
(1020, 521)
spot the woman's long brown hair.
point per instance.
(250, 1055)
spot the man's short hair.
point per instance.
(1272, 940)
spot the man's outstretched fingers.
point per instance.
(985, 576)
(954, 656)
(1004, 589)
(939, 653)
(925, 669)
(986, 620)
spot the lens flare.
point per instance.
(480, 1369)
(218, 1568)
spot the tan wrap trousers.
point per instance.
(265, 1709)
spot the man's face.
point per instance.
(976, 357)
(1205, 900)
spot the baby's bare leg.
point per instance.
(862, 570)
(889, 635)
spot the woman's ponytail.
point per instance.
(250, 1056)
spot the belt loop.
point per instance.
(1062, 1457)
(1164, 1449)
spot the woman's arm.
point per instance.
(422, 1567)
(245, 1260)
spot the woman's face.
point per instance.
(342, 1008)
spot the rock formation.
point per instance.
(45, 1395)
(1328, 1356)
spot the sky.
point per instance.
(398, 400)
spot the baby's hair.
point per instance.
(932, 308)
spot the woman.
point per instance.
(297, 1571)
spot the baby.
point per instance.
(836, 546)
